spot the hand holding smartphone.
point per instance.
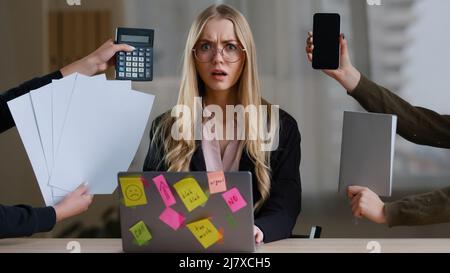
(326, 31)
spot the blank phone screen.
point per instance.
(326, 31)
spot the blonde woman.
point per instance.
(220, 67)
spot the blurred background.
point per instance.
(400, 44)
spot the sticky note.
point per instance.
(231, 221)
(205, 232)
(234, 199)
(133, 191)
(141, 233)
(164, 190)
(144, 182)
(207, 198)
(216, 182)
(220, 238)
(172, 218)
(190, 193)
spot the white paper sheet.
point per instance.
(41, 100)
(61, 102)
(105, 123)
(22, 111)
(101, 135)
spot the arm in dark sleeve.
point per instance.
(22, 220)
(416, 124)
(6, 119)
(422, 209)
(278, 215)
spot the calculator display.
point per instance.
(134, 39)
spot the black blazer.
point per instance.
(278, 215)
(23, 220)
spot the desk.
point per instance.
(283, 246)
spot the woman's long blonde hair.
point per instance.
(178, 153)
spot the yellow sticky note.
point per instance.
(190, 193)
(133, 191)
(141, 233)
(205, 232)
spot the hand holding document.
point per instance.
(81, 129)
(367, 151)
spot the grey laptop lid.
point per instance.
(367, 151)
(155, 218)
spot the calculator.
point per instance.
(138, 64)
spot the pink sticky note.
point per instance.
(164, 190)
(172, 218)
(145, 182)
(216, 182)
(234, 199)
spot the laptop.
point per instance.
(367, 151)
(186, 211)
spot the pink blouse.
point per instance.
(229, 161)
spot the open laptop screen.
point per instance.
(186, 212)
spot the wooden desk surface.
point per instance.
(283, 246)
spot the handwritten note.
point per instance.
(205, 232)
(172, 218)
(216, 182)
(141, 233)
(234, 199)
(133, 191)
(164, 190)
(190, 193)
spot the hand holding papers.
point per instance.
(81, 129)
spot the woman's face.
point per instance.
(219, 72)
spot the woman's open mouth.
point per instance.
(219, 74)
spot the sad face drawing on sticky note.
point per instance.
(133, 192)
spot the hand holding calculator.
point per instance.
(138, 64)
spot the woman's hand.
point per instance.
(347, 75)
(366, 203)
(74, 203)
(98, 61)
(259, 235)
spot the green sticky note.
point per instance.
(141, 233)
(231, 221)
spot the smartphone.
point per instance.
(326, 32)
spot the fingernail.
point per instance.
(132, 47)
(86, 184)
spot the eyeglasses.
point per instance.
(205, 52)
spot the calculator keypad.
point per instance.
(136, 65)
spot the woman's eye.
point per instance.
(231, 47)
(205, 47)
